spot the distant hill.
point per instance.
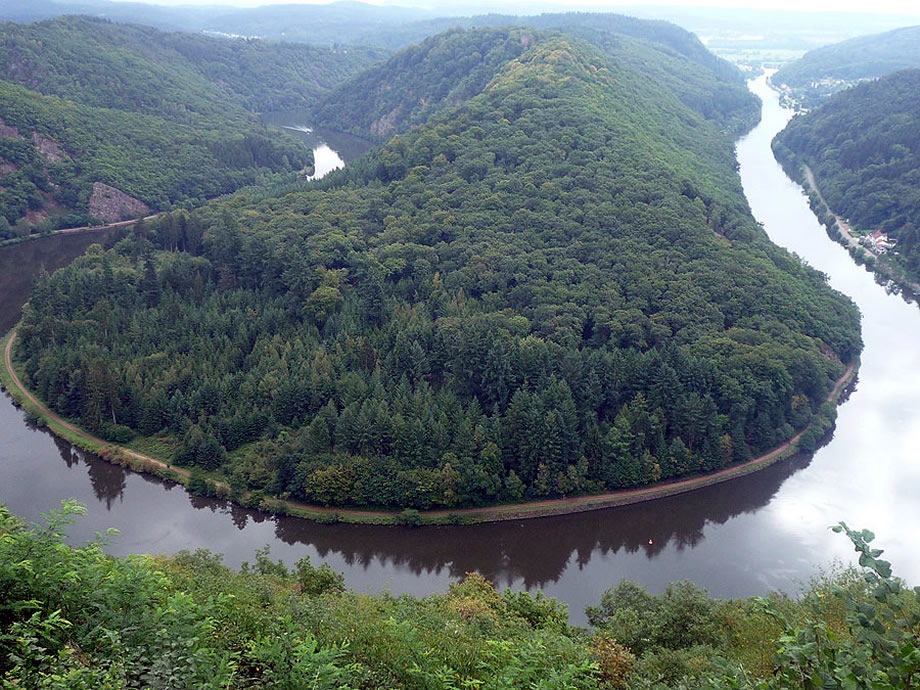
(665, 33)
(451, 67)
(441, 71)
(164, 118)
(319, 24)
(863, 146)
(825, 71)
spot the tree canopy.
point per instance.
(165, 118)
(554, 286)
(864, 149)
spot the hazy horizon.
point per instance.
(893, 7)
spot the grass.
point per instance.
(160, 446)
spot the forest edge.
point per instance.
(559, 506)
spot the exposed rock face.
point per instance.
(8, 130)
(386, 124)
(7, 168)
(48, 148)
(111, 204)
(36, 217)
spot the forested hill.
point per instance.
(553, 287)
(407, 89)
(449, 68)
(863, 146)
(162, 118)
(138, 68)
(827, 70)
(674, 38)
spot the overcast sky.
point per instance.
(907, 7)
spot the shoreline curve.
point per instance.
(495, 513)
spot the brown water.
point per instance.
(20, 263)
(765, 531)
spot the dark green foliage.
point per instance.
(162, 117)
(552, 288)
(824, 71)
(864, 149)
(449, 68)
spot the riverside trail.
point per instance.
(542, 508)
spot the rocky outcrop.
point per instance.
(48, 148)
(111, 204)
(8, 130)
(35, 217)
(385, 125)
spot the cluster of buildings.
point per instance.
(877, 242)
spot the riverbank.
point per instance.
(140, 462)
(73, 231)
(840, 231)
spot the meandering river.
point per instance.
(760, 532)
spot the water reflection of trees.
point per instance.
(538, 551)
(67, 452)
(532, 552)
(108, 480)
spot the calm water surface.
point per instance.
(765, 531)
(331, 149)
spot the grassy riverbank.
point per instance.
(214, 485)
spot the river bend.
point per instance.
(760, 532)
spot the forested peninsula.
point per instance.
(863, 147)
(103, 121)
(550, 284)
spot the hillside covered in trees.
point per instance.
(552, 287)
(447, 69)
(864, 149)
(827, 70)
(73, 618)
(162, 118)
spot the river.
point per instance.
(331, 149)
(760, 532)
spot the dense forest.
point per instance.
(864, 149)
(676, 40)
(552, 287)
(827, 70)
(448, 69)
(162, 118)
(74, 618)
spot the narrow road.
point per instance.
(847, 233)
(554, 506)
(845, 228)
(82, 228)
